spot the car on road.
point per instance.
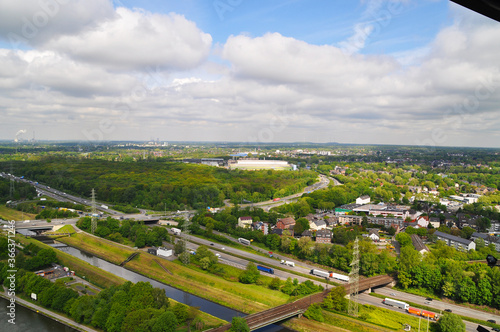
(427, 302)
(393, 294)
(496, 329)
(428, 299)
(491, 321)
(223, 248)
(211, 244)
(447, 310)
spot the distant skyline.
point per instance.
(391, 72)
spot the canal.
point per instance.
(207, 306)
(29, 321)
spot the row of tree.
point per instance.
(122, 231)
(446, 272)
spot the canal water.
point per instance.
(28, 321)
(209, 307)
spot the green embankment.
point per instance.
(107, 250)
(371, 319)
(93, 274)
(11, 214)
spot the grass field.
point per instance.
(11, 214)
(107, 250)
(64, 229)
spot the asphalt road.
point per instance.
(439, 306)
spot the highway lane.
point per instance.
(439, 306)
(227, 255)
(375, 301)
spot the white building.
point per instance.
(245, 222)
(161, 251)
(365, 199)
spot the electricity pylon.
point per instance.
(354, 281)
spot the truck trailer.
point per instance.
(244, 241)
(396, 303)
(320, 273)
(265, 269)
(423, 313)
(339, 277)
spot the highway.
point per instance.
(437, 304)
(227, 257)
(377, 302)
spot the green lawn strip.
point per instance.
(94, 275)
(308, 276)
(66, 279)
(245, 298)
(339, 322)
(7, 213)
(425, 293)
(416, 305)
(101, 248)
(65, 229)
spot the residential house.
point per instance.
(348, 219)
(261, 226)
(419, 244)
(324, 236)
(245, 222)
(365, 199)
(455, 241)
(285, 223)
(435, 222)
(317, 224)
(488, 239)
(373, 235)
(308, 233)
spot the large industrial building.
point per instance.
(256, 164)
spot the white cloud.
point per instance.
(33, 22)
(136, 39)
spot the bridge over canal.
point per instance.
(297, 308)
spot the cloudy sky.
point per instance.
(416, 72)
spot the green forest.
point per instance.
(159, 185)
(21, 191)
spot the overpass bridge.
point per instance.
(297, 308)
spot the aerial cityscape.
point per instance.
(238, 165)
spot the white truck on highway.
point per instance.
(176, 231)
(396, 303)
(292, 264)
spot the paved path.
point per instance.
(48, 313)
